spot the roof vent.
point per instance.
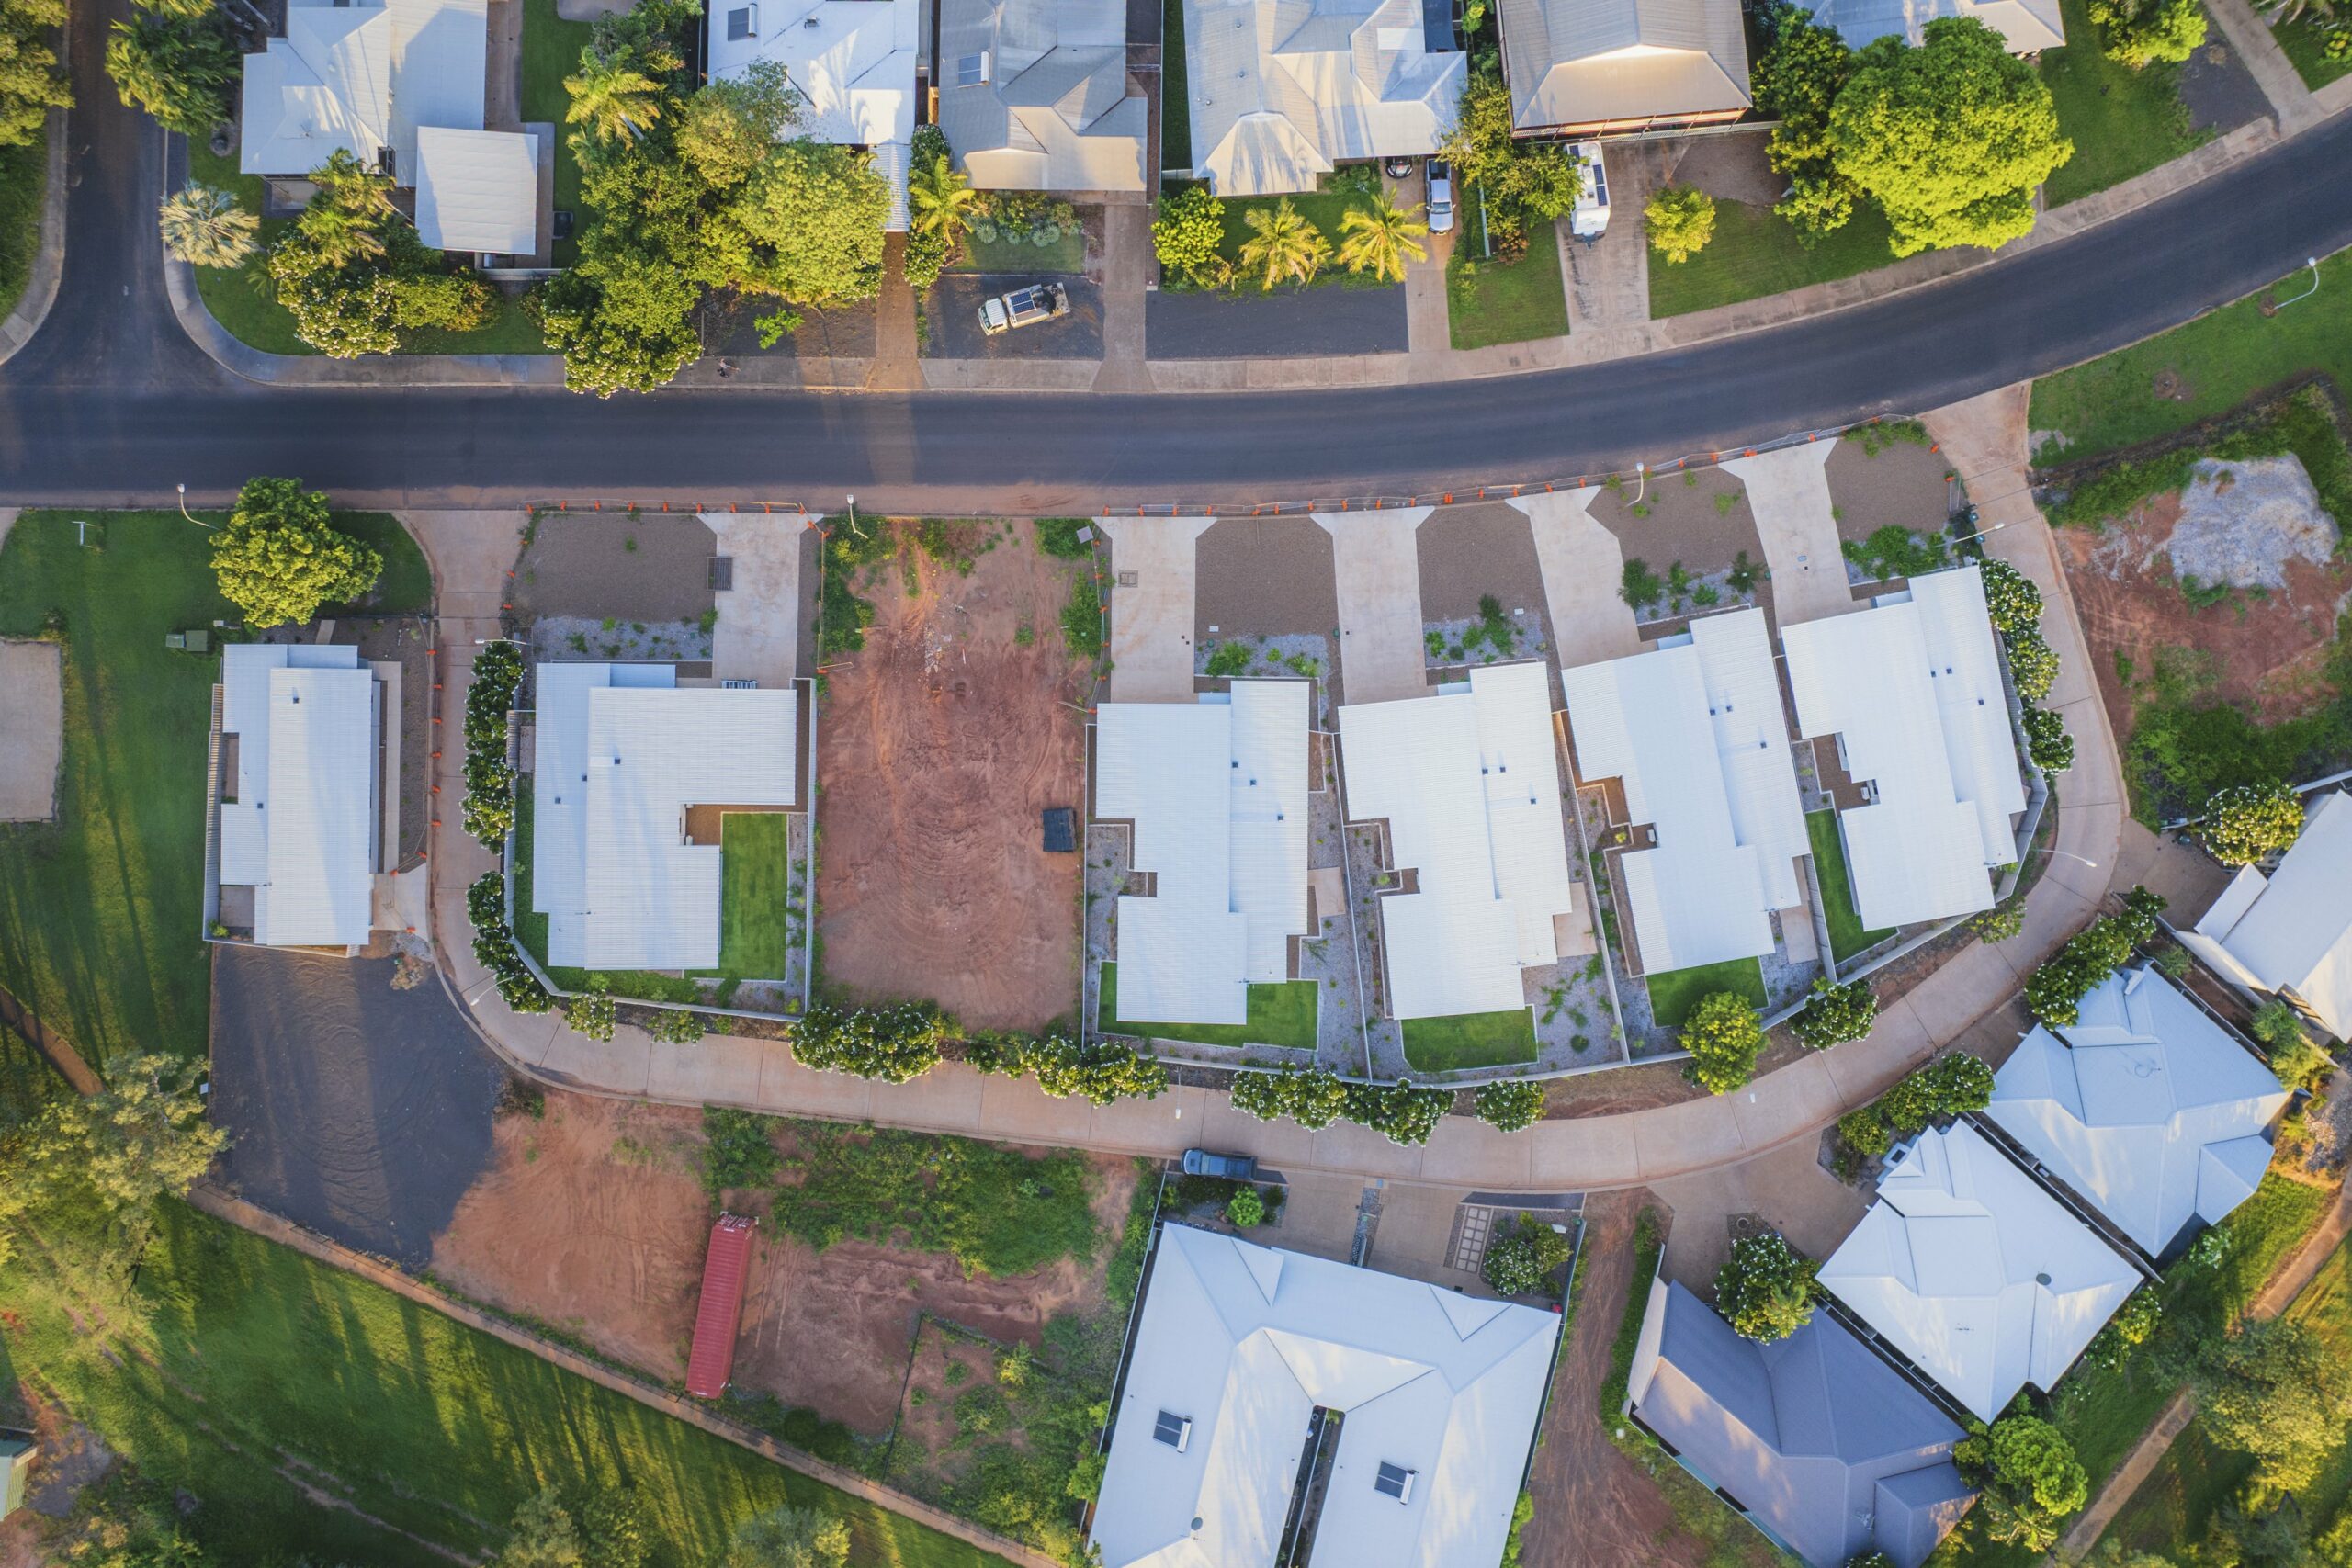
(1174, 1430)
(2042, 1279)
(1395, 1480)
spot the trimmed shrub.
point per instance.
(2047, 742)
(1724, 1034)
(1101, 1071)
(1523, 1262)
(895, 1044)
(494, 947)
(2010, 597)
(1308, 1096)
(1865, 1132)
(1246, 1208)
(2245, 822)
(1765, 1292)
(593, 1013)
(1511, 1107)
(1398, 1112)
(1835, 1014)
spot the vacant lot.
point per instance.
(939, 744)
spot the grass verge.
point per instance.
(1281, 1013)
(24, 185)
(1846, 936)
(1470, 1040)
(245, 1374)
(1755, 252)
(2123, 122)
(1674, 993)
(1488, 303)
(759, 903)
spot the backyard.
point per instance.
(1846, 936)
(763, 895)
(1280, 1013)
(1675, 992)
(551, 49)
(1343, 191)
(1470, 1040)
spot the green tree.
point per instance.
(203, 226)
(731, 123)
(2295, 1059)
(31, 84)
(1283, 245)
(813, 215)
(895, 1044)
(180, 71)
(1186, 233)
(1101, 1071)
(2033, 663)
(1723, 1035)
(591, 1013)
(543, 1535)
(143, 1136)
(1381, 238)
(2140, 33)
(1398, 1112)
(2245, 822)
(1796, 81)
(623, 320)
(1835, 1014)
(1680, 220)
(1999, 923)
(1951, 139)
(611, 99)
(940, 201)
(2030, 1478)
(1246, 1208)
(2047, 742)
(1308, 1096)
(1522, 1261)
(789, 1537)
(1865, 1131)
(1765, 1291)
(2276, 1390)
(1510, 1107)
(2010, 596)
(279, 558)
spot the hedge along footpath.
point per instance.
(2053, 993)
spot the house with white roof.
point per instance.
(1816, 1440)
(634, 773)
(1236, 1352)
(1283, 91)
(2288, 934)
(852, 62)
(1033, 94)
(1467, 782)
(305, 793)
(1214, 792)
(477, 190)
(1593, 67)
(1975, 1272)
(2145, 1106)
(2028, 27)
(1694, 733)
(1911, 688)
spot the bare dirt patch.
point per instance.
(591, 1218)
(1682, 521)
(945, 1369)
(1903, 485)
(32, 715)
(1469, 552)
(865, 1302)
(2265, 653)
(938, 746)
(651, 567)
(1264, 576)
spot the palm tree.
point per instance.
(613, 100)
(1381, 238)
(2282, 11)
(940, 202)
(339, 235)
(1284, 245)
(205, 227)
(351, 187)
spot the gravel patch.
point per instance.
(2242, 522)
(587, 636)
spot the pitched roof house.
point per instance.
(1819, 1443)
(1582, 67)
(1281, 91)
(1238, 1345)
(1973, 1272)
(2147, 1107)
(1695, 734)
(853, 62)
(1217, 793)
(2290, 934)
(2028, 26)
(477, 190)
(363, 78)
(1468, 782)
(1033, 94)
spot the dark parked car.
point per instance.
(1232, 1167)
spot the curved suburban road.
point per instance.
(111, 403)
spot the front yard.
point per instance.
(2123, 122)
(1755, 252)
(1488, 302)
(1673, 993)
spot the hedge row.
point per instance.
(495, 949)
(490, 781)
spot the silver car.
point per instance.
(1440, 213)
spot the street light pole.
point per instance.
(184, 512)
(2313, 262)
(2053, 850)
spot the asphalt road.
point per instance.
(112, 404)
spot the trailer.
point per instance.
(725, 1269)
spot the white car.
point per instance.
(1440, 212)
(1590, 221)
(1037, 302)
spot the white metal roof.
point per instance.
(622, 752)
(363, 77)
(1912, 690)
(477, 190)
(1282, 90)
(852, 60)
(2291, 932)
(301, 831)
(1469, 782)
(2137, 1102)
(1697, 734)
(1033, 94)
(1971, 1269)
(2027, 26)
(1217, 792)
(1245, 1342)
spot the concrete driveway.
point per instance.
(1583, 567)
(757, 636)
(1789, 493)
(1379, 571)
(951, 316)
(1153, 568)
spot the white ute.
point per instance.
(1589, 220)
(1037, 302)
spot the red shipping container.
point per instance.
(724, 1270)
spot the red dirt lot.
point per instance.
(938, 745)
(591, 1218)
(2267, 654)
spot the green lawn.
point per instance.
(1066, 254)
(1755, 254)
(1175, 101)
(1487, 304)
(232, 1352)
(1281, 1013)
(1324, 209)
(2306, 47)
(101, 911)
(2220, 359)
(531, 930)
(2123, 122)
(757, 881)
(551, 49)
(240, 299)
(1470, 1040)
(1675, 992)
(24, 181)
(1846, 936)
(406, 586)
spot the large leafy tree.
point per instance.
(1951, 139)
(2030, 1478)
(31, 84)
(789, 1537)
(1186, 234)
(1680, 220)
(1765, 1289)
(612, 100)
(811, 214)
(279, 557)
(1723, 1035)
(2274, 1390)
(145, 1136)
(1796, 81)
(623, 320)
(180, 70)
(2140, 33)
(729, 125)
(354, 275)
(1381, 238)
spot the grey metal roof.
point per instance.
(1829, 1449)
(1586, 61)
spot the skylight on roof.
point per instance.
(1395, 1480)
(1174, 1430)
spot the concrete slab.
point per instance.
(1789, 493)
(787, 1089)
(1599, 1151)
(1152, 566)
(1787, 1188)
(1346, 1147)
(1583, 567)
(1381, 657)
(720, 1069)
(1278, 1144)
(1802, 1094)
(1165, 1126)
(1676, 1138)
(1416, 1223)
(1863, 1068)
(757, 636)
(1319, 1215)
(623, 1065)
(1471, 1154)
